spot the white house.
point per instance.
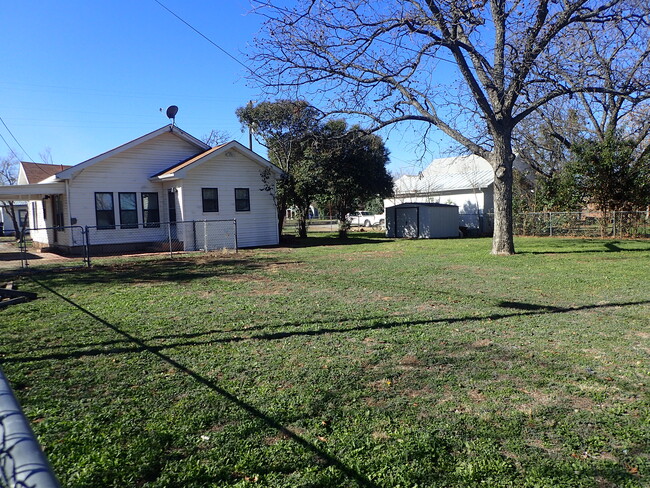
(128, 193)
(6, 223)
(464, 181)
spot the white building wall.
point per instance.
(257, 227)
(128, 171)
(470, 203)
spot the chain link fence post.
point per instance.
(86, 243)
(234, 223)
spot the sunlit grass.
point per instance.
(367, 363)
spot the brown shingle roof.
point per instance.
(36, 172)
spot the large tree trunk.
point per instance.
(303, 216)
(502, 161)
(282, 211)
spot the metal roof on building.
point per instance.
(448, 174)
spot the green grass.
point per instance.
(370, 363)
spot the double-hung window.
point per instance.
(242, 200)
(210, 197)
(104, 210)
(128, 211)
(150, 210)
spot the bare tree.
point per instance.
(216, 137)
(617, 57)
(9, 176)
(473, 69)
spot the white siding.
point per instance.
(257, 227)
(127, 171)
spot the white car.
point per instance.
(361, 218)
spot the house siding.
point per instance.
(128, 171)
(257, 227)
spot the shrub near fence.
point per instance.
(583, 224)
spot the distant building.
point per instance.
(165, 176)
(464, 181)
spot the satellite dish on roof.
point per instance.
(172, 110)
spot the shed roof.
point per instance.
(423, 204)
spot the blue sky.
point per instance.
(82, 77)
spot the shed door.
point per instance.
(406, 222)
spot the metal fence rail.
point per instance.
(583, 224)
(22, 462)
(165, 237)
(77, 246)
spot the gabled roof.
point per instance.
(201, 146)
(448, 174)
(180, 169)
(37, 172)
(452, 174)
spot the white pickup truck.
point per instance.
(360, 218)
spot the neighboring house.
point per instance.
(464, 181)
(164, 176)
(7, 224)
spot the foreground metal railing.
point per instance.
(22, 462)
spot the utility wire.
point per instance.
(208, 39)
(19, 145)
(10, 149)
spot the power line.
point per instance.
(14, 137)
(10, 149)
(207, 38)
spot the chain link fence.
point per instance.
(76, 246)
(583, 224)
(22, 462)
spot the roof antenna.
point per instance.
(172, 110)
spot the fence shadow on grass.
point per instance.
(333, 240)
(327, 458)
(581, 247)
(136, 345)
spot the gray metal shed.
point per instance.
(422, 220)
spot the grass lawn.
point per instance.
(372, 363)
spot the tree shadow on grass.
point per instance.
(325, 457)
(370, 323)
(136, 345)
(178, 270)
(595, 246)
(333, 240)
